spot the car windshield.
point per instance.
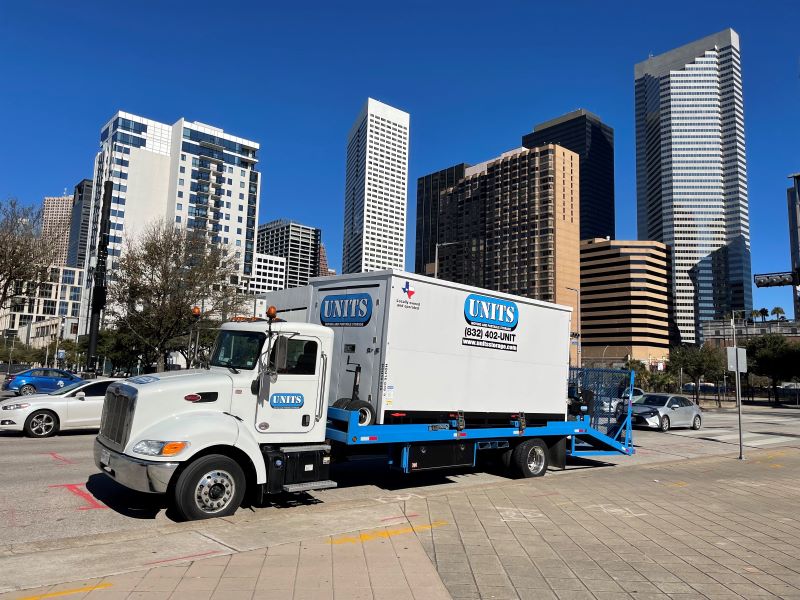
(237, 349)
(66, 388)
(652, 400)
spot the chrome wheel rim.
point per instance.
(42, 424)
(26, 390)
(697, 422)
(665, 424)
(535, 459)
(214, 491)
(363, 416)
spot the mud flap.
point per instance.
(558, 453)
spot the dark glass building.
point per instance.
(429, 189)
(593, 141)
(79, 224)
(793, 197)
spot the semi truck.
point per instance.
(428, 374)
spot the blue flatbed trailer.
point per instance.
(408, 446)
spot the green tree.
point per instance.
(763, 313)
(772, 355)
(162, 274)
(754, 314)
(697, 362)
(777, 312)
(641, 371)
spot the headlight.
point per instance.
(648, 414)
(17, 406)
(159, 448)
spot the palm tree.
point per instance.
(754, 314)
(778, 312)
(763, 313)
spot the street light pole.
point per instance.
(738, 385)
(578, 295)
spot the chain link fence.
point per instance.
(602, 394)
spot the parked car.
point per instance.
(35, 381)
(619, 405)
(75, 406)
(663, 411)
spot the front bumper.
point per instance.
(134, 473)
(653, 422)
(11, 420)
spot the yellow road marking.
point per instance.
(90, 588)
(387, 533)
(678, 484)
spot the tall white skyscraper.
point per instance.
(376, 185)
(691, 176)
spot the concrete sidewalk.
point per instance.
(713, 528)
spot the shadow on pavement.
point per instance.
(124, 501)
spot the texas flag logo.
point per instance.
(408, 290)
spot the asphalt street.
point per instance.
(53, 492)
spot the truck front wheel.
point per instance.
(530, 458)
(211, 486)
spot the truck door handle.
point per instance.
(323, 374)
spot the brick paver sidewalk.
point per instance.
(711, 528)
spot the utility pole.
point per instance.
(738, 392)
(99, 290)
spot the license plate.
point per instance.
(105, 456)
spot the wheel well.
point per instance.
(231, 452)
(43, 410)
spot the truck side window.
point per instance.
(301, 359)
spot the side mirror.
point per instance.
(80, 395)
(281, 353)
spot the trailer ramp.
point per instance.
(605, 393)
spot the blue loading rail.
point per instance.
(343, 427)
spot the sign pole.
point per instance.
(738, 391)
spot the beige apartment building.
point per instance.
(56, 217)
(625, 306)
(510, 224)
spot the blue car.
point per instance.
(39, 381)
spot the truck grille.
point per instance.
(115, 423)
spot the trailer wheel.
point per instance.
(530, 458)
(211, 486)
(366, 412)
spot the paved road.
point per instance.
(710, 527)
(52, 490)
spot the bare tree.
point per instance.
(25, 255)
(162, 274)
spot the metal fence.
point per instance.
(603, 394)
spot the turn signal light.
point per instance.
(172, 448)
(272, 312)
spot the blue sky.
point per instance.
(474, 77)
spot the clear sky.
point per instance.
(475, 76)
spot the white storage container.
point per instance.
(428, 346)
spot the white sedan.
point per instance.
(75, 406)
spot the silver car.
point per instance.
(663, 411)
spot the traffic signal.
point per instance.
(777, 279)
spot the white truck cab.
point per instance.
(256, 414)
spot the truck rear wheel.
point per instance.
(530, 458)
(211, 486)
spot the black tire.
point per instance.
(664, 424)
(697, 422)
(530, 458)
(211, 486)
(341, 403)
(41, 424)
(366, 412)
(27, 390)
(620, 410)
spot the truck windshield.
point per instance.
(237, 349)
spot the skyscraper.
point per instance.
(298, 244)
(375, 190)
(691, 176)
(188, 173)
(56, 215)
(585, 134)
(79, 224)
(509, 224)
(793, 197)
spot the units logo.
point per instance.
(483, 310)
(347, 310)
(286, 401)
(409, 290)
